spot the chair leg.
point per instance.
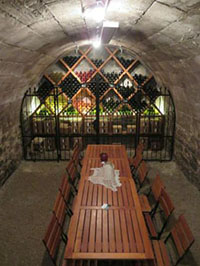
(75, 189)
(73, 186)
(162, 229)
(64, 238)
(69, 211)
(139, 188)
(153, 211)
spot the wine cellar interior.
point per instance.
(97, 96)
(140, 85)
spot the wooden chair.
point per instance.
(68, 193)
(136, 160)
(182, 239)
(141, 176)
(53, 237)
(72, 174)
(60, 209)
(76, 154)
(65, 188)
(155, 191)
(140, 147)
(166, 208)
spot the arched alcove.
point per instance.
(34, 36)
(99, 96)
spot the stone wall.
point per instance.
(10, 139)
(187, 154)
(182, 77)
(187, 141)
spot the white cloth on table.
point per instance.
(106, 176)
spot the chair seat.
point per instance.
(145, 206)
(160, 252)
(150, 225)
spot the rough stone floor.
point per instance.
(27, 198)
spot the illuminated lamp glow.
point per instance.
(160, 104)
(96, 43)
(96, 13)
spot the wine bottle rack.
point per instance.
(113, 91)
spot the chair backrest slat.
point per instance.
(49, 229)
(71, 170)
(185, 228)
(59, 209)
(166, 203)
(76, 154)
(52, 237)
(137, 160)
(156, 187)
(177, 242)
(65, 187)
(55, 240)
(57, 202)
(140, 148)
(166, 206)
(142, 172)
(182, 237)
(184, 233)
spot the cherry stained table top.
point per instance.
(117, 233)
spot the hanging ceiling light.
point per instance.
(95, 11)
(96, 43)
(104, 29)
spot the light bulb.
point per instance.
(96, 43)
(96, 13)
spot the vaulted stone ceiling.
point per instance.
(164, 34)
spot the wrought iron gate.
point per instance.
(95, 113)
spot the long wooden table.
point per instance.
(117, 233)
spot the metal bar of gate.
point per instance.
(97, 109)
(57, 126)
